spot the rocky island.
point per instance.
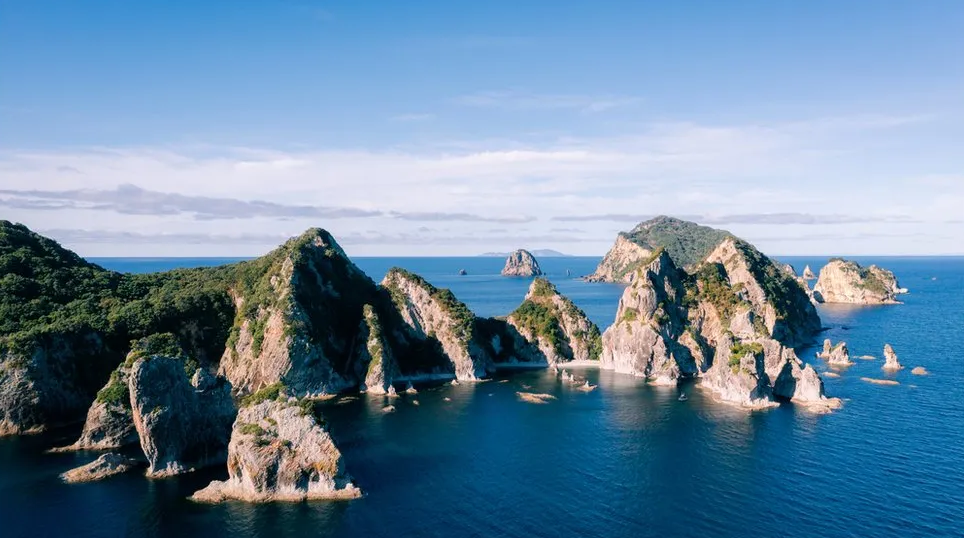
(561, 331)
(843, 281)
(725, 313)
(521, 263)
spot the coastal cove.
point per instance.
(475, 460)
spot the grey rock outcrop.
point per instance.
(110, 422)
(42, 385)
(280, 451)
(843, 281)
(556, 325)
(435, 314)
(808, 273)
(890, 359)
(621, 261)
(287, 330)
(181, 424)
(106, 465)
(649, 321)
(836, 355)
(377, 357)
(521, 263)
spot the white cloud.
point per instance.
(790, 173)
(522, 100)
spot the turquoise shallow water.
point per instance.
(624, 460)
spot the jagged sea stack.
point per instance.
(843, 281)
(890, 357)
(521, 263)
(559, 328)
(280, 451)
(808, 273)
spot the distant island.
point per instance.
(539, 253)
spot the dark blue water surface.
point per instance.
(624, 460)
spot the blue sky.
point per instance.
(433, 128)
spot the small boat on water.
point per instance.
(682, 397)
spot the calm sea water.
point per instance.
(624, 460)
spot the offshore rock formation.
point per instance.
(890, 358)
(280, 451)
(843, 281)
(559, 328)
(106, 465)
(808, 273)
(181, 423)
(434, 314)
(732, 321)
(686, 242)
(837, 355)
(521, 263)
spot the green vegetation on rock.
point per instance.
(541, 322)
(710, 284)
(686, 242)
(274, 391)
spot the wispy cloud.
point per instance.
(750, 218)
(133, 200)
(520, 101)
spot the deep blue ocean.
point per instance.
(626, 460)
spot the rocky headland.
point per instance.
(843, 281)
(219, 365)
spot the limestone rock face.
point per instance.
(181, 424)
(649, 321)
(298, 322)
(106, 465)
(42, 385)
(837, 355)
(776, 298)
(521, 263)
(808, 273)
(435, 314)
(110, 423)
(843, 281)
(621, 262)
(890, 358)
(741, 379)
(376, 354)
(279, 451)
(558, 327)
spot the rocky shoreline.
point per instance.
(230, 374)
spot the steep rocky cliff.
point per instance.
(182, 423)
(686, 242)
(299, 310)
(891, 362)
(521, 263)
(843, 281)
(376, 355)
(435, 314)
(556, 325)
(65, 325)
(621, 261)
